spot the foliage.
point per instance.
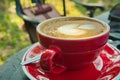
(12, 38)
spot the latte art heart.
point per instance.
(71, 29)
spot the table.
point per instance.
(104, 17)
(12, 69)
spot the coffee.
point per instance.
(68, 41)
(72, 28)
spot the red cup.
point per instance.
(70, 54)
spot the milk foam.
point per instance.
(87, 26)
(71, 29)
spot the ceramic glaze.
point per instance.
(105, 67)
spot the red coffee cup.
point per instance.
(70, 54)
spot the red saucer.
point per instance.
(105, 67)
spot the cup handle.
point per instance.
(51, 61)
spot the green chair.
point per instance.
(90, 6)
(114, 23)
(36, 12)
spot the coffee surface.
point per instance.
(72, 28)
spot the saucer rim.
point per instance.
(27, 52)
(23, 67)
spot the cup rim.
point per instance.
(86, 38)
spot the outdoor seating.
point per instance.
(12, 69)
(91, 7)
(114, 23)
(106, 66)
(33, 15)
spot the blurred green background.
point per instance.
(13, 36)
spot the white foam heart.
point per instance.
(70, 29)
(87, 26)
